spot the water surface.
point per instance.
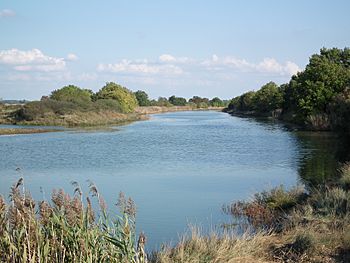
(180, 167)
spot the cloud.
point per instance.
(7, 13)
(267, 65)
(167, 58)
(72, 57)
(31, 60)
(140, 66)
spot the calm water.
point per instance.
(180, 168)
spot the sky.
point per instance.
(206, 48)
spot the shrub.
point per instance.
(39, 109)
(303, 242)
(267, 210)
(331, 202)
(345, 176)
(122, 95)
(142, 98)
(73, 94)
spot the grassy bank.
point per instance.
(85, 118)
(283, 226)
(24, 131)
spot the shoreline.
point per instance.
(91, 120)
(18, 131)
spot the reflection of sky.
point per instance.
(179, 167)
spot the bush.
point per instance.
(107, 104)
(267, 210)
(331, 202)
(142, 98)
(345, 176)
(40, 109)
(303, 242)
(122, 95)
(177, 101)
(73, 94)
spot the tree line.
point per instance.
(111, 97)
(317, 98)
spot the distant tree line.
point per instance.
(173, 100)
(111, 97)
(318, 97)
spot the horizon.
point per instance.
(186, 49)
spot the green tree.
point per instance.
(200, 102)
(177, 101)
(125, 98)
(162, 101)
(310, 92)
(216, 102)
(142, 98)
(73, 94)
(268, 98)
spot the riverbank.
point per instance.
(13, 131)
(91, 118)
(298, 225)
(284, 226)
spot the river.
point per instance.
(180, 168)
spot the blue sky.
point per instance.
(206, 48)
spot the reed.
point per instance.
(67, 229)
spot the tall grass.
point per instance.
(67, 229)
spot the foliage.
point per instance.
(344, 179)
(268, 208)
(268, 98)
(73, 94)
(245, 102)
(177, 101)
(310, 91)
(217, 102)
(340, 111)
(67, 230)
(162, 101)
(142, 98)
(199, 102)
(125, 98)
(40, 109)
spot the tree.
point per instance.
(200, 102)
(73, 94)
(177, 101)
(125, 98)
(142, 98)
(268, 98)
(246, 101)
(310, 92)
(216, 102)
(162, 101)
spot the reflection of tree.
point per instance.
(323, 153)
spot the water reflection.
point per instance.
(320, 153)
(325, 152)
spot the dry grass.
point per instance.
(216, 248)
(24, 131)
(85, 119)
(67, 230)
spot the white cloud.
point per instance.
(167, 58)
(7, 13)
(144, 67)
(267, 65)
(72, 57)
(31, 60)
